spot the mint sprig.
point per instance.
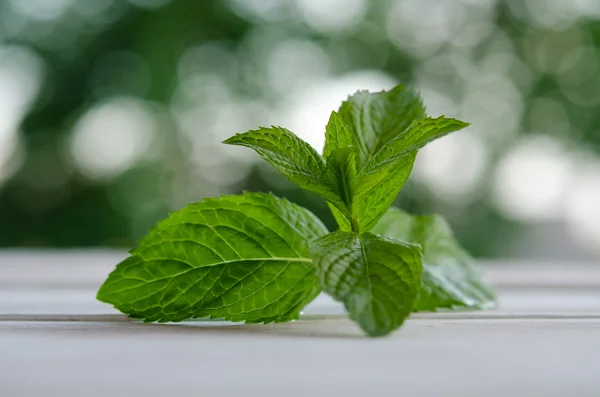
(257, 258)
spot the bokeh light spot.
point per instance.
(111, 136)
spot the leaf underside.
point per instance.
(240, 258)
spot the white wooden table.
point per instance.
(56, 340)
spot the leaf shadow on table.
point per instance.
(309, 327)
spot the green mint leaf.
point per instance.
(341, 219)
(450, 278)
(376, 278)
(377, 191)
(241, 258)
(417, 135)
(337, 135)
(375, 118)
(292, 157)
(386, 172)
(341, 155)
(342, 175)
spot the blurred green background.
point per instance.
(112, 111)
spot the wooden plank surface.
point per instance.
(56, 340)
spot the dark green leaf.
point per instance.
(376, 278)
(450, 278)
(375, 118)
(241, 258)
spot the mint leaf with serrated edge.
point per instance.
(376, 118)
(241, 258)
(342, 173)
(338, 135)
(450, 278)
(386, 172)
(385, 130)
(376, 278)
(293, 158)
(257, 258)
(341, 150)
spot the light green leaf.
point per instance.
(241, 258)
(292, 157)
(450, 278)
(417, 135)
(341, 219)
(342, 176)
(337, 135)
(376, 278)
(375, 118)
(377, 191)
(341, 154)
(386, 172)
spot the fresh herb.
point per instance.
(257, 258)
